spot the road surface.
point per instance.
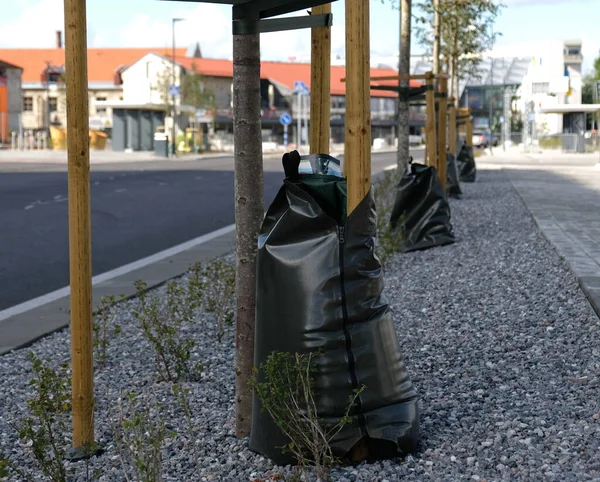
(138, 208)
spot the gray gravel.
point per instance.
(498, 338)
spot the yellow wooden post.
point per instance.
(430, 121)
(443, 104)
(452, 127)
(357, 145)
(320, 85)
(80, 248)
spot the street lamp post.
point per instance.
(173, 94)
(491, 112)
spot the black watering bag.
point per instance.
(452, 177)
(320, 288)
(421, 211)
(466, 164)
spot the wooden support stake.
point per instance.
(442, 116)
(320, 85)
(357, 145)
(430, 122)
(452, 127)
(80, 247)
(469, 134)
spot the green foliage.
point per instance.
(288, 395)
(104, 327)
(140, 434)
(46, 429)
(214, 284)
(389, 241)
(194, 91)
(161, 324)
(465, 32)
(553, 142)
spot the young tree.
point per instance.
(249, 209)
(161, 86)
(465, 35)
(404, 69)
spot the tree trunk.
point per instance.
(436, 40)
(451, 92)
(249, 209)
(404, 69)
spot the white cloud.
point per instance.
(35, 26)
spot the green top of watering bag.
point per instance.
(328, 191)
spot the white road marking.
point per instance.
(390, 167)
(122, 189)
(128, 268)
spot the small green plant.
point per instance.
(217, 282)
(162, 324)
(104, 326)
(287, 394)
(140, 434)
(389, 241)
(46, 428)
(192, 430)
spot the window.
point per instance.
(338, 102)
(540, 87)
(52, 104)
(27, 104)
(100, 109)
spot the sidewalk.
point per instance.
(108, 156)
(562, 193)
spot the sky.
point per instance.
(526, 26)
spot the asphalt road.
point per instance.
(138, 209)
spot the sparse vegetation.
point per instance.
(45, 430)
(213, 285)
(140, 433)
(288, 395)
(104, 327)
(161, 323)
(389, 241)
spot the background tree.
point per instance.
(161, 86)
(465, 35)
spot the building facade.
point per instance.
(43, 97)
(10, 100)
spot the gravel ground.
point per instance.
(499, 340)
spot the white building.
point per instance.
(553, 79)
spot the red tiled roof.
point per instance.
(287, 73)
(102, 63)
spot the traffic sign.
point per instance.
(285, 119)
(173, 90)
(300, 88)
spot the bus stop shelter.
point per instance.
(574, 122)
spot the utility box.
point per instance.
(161, 144)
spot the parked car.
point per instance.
(484, 139)
(479, 140)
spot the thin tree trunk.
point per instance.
(404, 69)
(451, 92)
(436, 40)
(249, 209)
